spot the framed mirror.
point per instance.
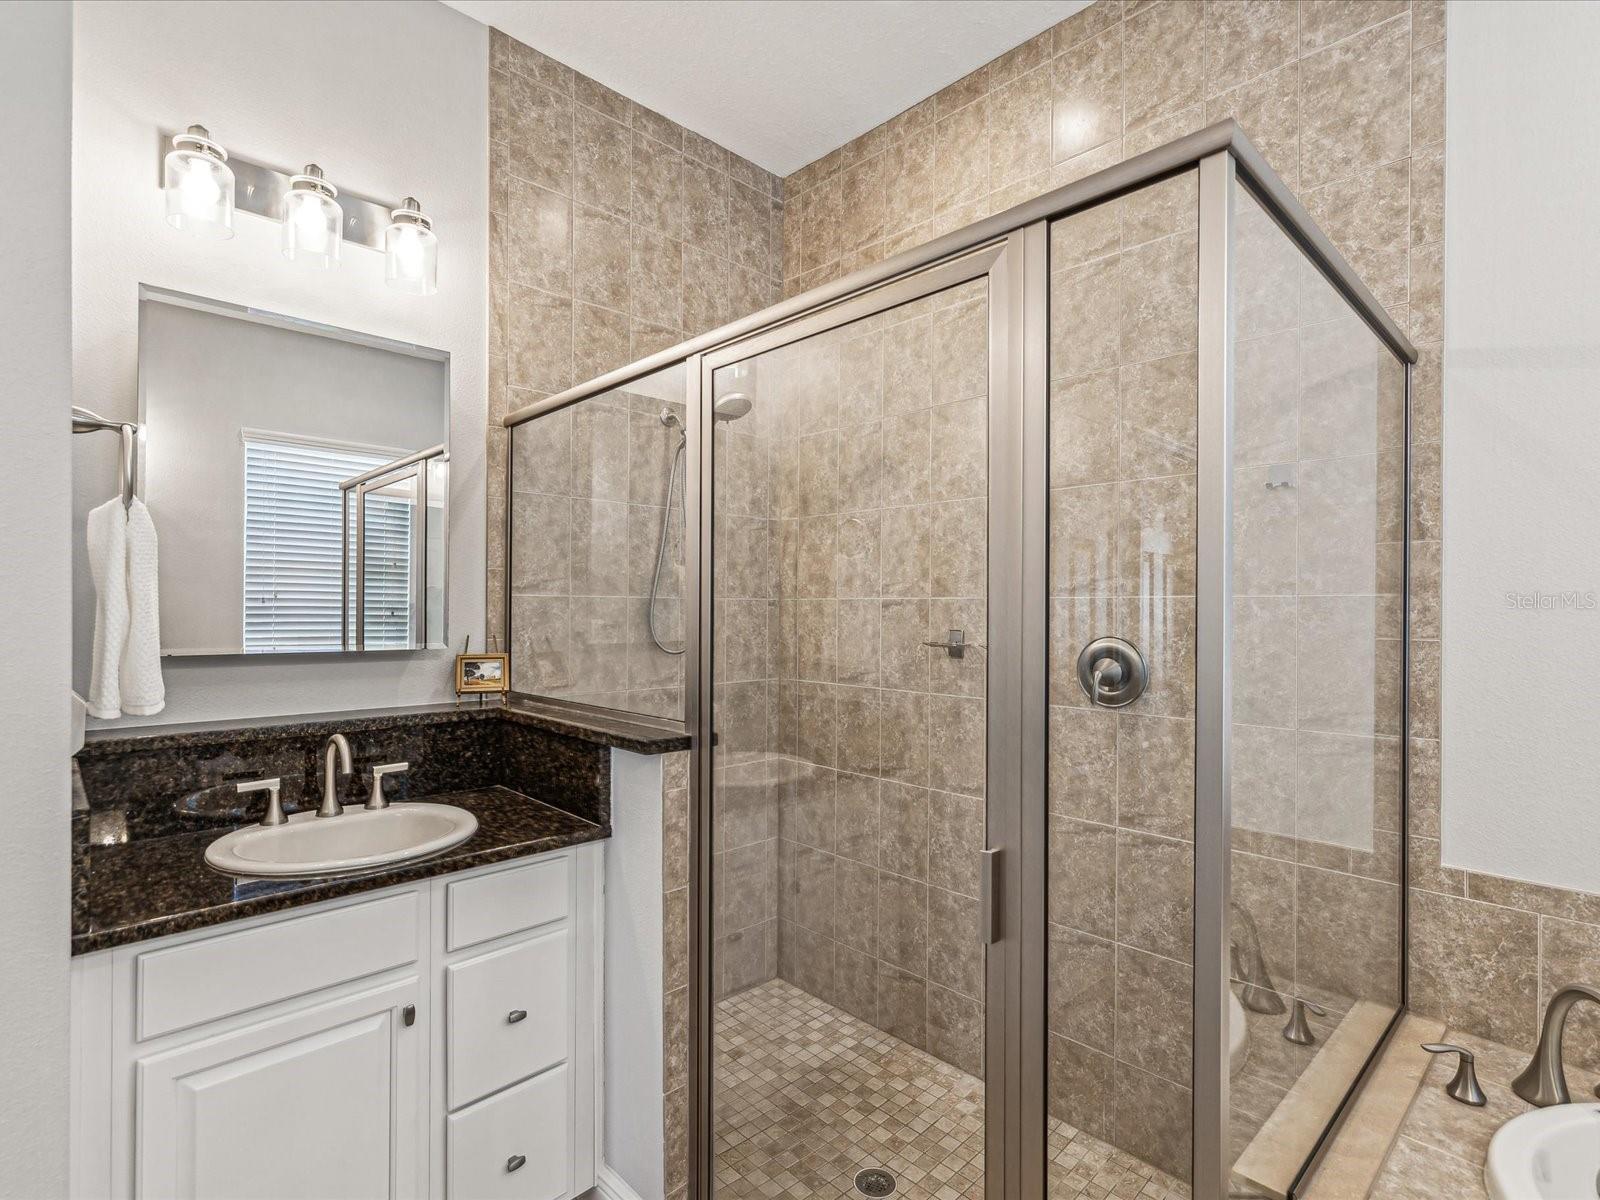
(298, 478)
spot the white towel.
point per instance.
(143, 693)
(108, 567)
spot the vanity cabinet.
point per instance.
(435, 1040)
(327, 1101)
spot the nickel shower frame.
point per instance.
(1011, 249)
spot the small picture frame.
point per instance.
(480, 673)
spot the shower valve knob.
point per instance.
(1112, 673)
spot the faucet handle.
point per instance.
(376, 799)
(1463, 1085)
(1298, 1029)
(272, 787)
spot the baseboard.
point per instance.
(608, 1185)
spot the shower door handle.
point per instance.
(988, 894)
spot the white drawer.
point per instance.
(510, 1015)
(235, 972)
(514, 1146)
(491, 906)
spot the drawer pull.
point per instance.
(515, 1015)
(514, 1163)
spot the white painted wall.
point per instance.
(633, 1039)
(1521, 686)
(35, 385)
(391, 99)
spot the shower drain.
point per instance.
(874, 1181)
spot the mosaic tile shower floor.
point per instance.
(809, 1095)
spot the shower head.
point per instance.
(733, 406)
(670, 418)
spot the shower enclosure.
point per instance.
(1043, 595)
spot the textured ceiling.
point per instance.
(781, 82)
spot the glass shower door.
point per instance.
(848, 636)
(1120, 854)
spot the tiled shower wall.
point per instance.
(750, 779)
(613, 233)
(881, 484)
(1123, 336)
(1346, 99)
(589, 491)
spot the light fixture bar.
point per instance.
(261, 190)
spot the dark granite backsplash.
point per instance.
(140, 778)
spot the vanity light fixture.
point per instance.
(411, 251)
(204, 185)
(313, 222)
(199, 185)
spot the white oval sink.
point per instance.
(1547, 1154)
(356, 841)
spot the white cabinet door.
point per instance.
(324, 1104)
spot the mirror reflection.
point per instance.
(297, 475)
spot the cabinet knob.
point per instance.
(515, 1015)
(514, 1163)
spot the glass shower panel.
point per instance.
(1120, 860)
(1318, 512)
(848, 775)
(595, 564)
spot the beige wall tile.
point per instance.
(1367, 216)
(1081, 1081)
(1154, 1014)
(1323, 22)
(1427, 96)
(1247, 38)
(1163, 60)
(1155, 894)
(1475, 966)
(955, 1029)
(539, 136)
(1357, 105)
(1154, 1115)
(1268, 107)
(1088, 94)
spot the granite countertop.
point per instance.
(153, 887)
(623, 731)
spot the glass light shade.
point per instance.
(199, 186)
(411, 252)
(313, 222)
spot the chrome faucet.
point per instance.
(337, 745)
(1260, 993)
(1544, 1082)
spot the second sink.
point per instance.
(358, 840)
(1547, 1154)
